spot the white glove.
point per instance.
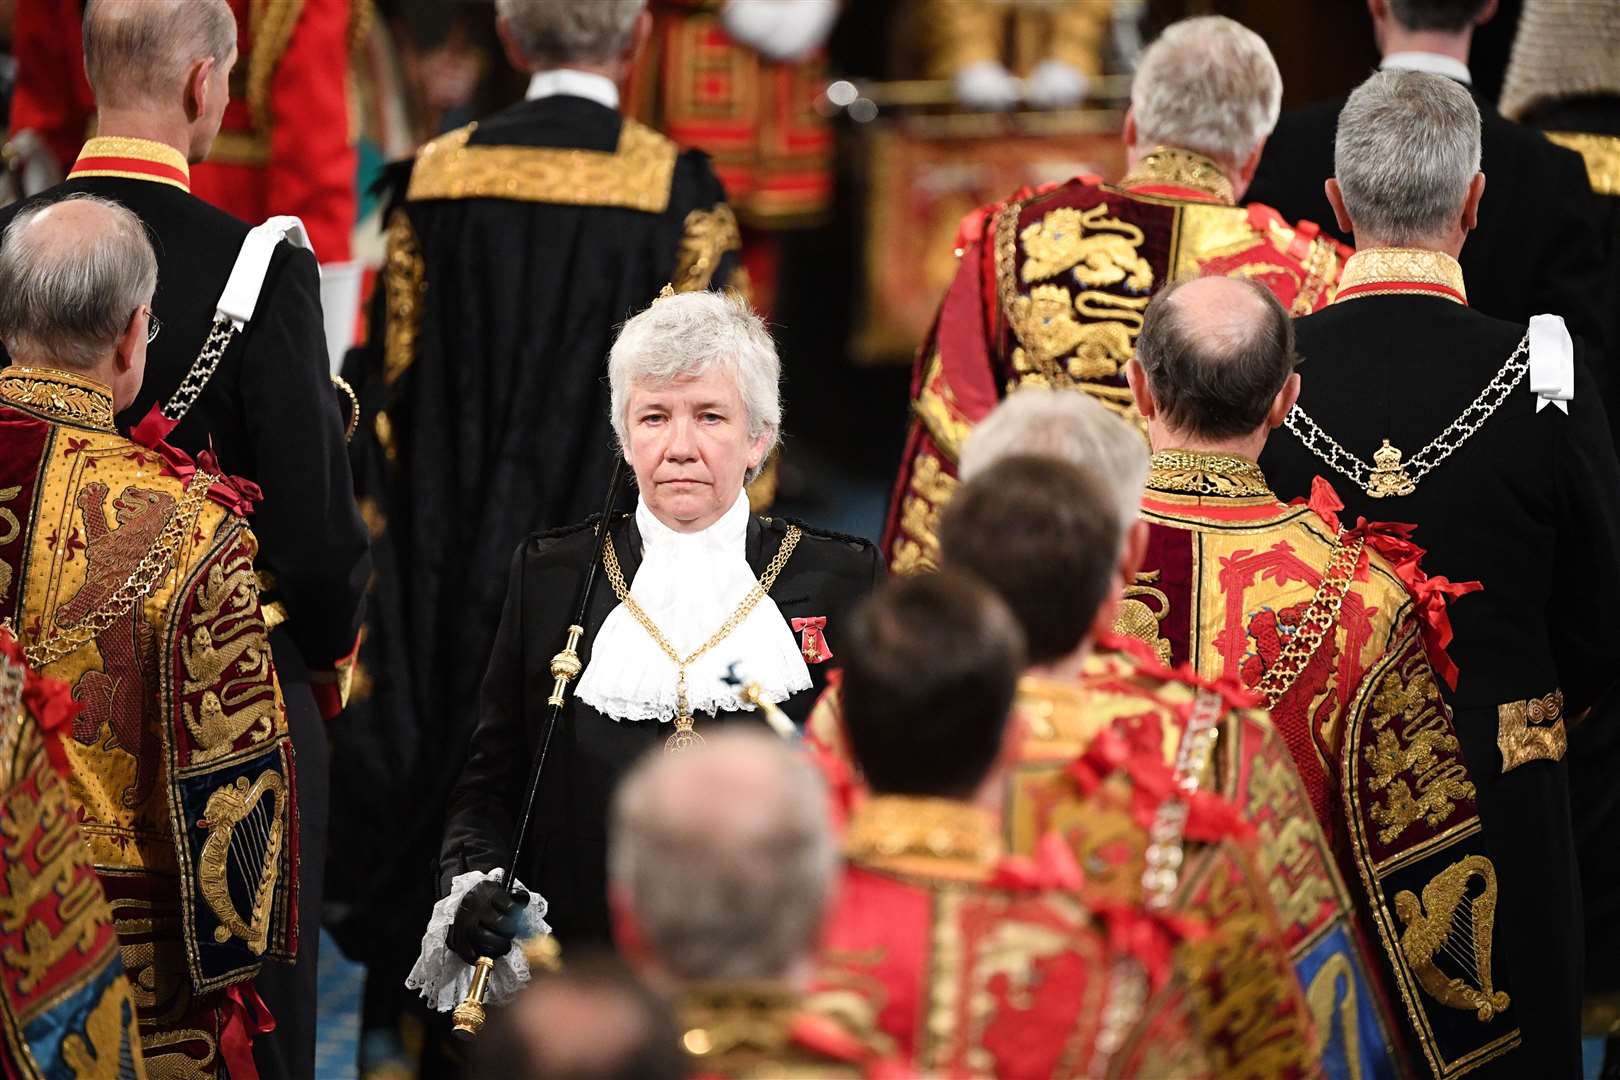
(1055, 85)
(781, 30)
(985, 84)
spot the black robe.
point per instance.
(565, 854)
(1530, 507)
(1537, 249)
(516, 249)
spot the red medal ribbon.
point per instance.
(813, 639)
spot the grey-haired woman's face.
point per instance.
(689, 446)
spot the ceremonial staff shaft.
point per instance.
(565, 667)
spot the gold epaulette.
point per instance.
(636, 175)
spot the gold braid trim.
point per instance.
(404, 283)
(925, 835)
(1601, 154)
(58, 395)
(1172, 166)
(270, 27)
(146, 577)
(1201, 473)
(636, 175)
(708, 235)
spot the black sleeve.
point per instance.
(312, 538)
(1573, 282)
(1585, 610)
(482, 810)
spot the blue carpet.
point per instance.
(337, 1032)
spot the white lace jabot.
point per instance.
(689, 584)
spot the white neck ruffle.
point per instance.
(689, 584)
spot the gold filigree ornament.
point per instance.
(1531, 730)
(684, 738)
(1196, 472)
(58, 395)
(244, 823)
(1137, 618)
(1388, 476)
(1453, 923)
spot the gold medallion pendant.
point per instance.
(1388, 476)
(683, 737)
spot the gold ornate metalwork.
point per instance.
(1392, 266)
(1388, 477)
(244, 824)
(1197, 472)
(1450, 921)
(1601, 154)
(684, 738)
(705, 238)
(1320, 618)
(936, 407)
(58, 395)
(1531, 730)
(404, 285)
(1138, 620)
(1417, 770)
(891, 830)
(1173, 166)
(636, 175)
(270, 30)
(148, 574)
(1102, 250)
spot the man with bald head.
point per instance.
(721, 864)
(249, 385)
(1337, 629)
(129, 574)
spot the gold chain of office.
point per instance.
(684, 737)
(1319, 618)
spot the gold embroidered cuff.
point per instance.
(1531, 730)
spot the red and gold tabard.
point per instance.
(1051, 289)
(1341, 634)
(129, 575)
(942, 953)
(742, 1031)
(65, 1006)
(755, 117)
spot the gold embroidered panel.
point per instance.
(1531, 730)
(1601, 154)
(404, 285)
(707, 236)
(930, 487)
(636, 175)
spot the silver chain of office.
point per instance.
(1439, 448)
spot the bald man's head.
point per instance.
(72, 274)
(1216, 352)
(140, 53)
(723, 858)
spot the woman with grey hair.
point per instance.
(693, 585)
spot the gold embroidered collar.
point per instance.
(1169, 166)
(723, 1018)
(1197, 472)
(133, 159)
(1601, 154)
(1401, 271)
(58, 395)
(927, 837)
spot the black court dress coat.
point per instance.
(1538, 248)
(565, 855)
(1530, 507)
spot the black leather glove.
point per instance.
(486, 922)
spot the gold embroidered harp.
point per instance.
(241, 858)
(1447, 939)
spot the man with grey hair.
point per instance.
(1051, 287)
(1538, 244)
(721, 867)
(1502, 457)
(260, 399)
(129, 574)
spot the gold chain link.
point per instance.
(152, 568)
(610, 562)
(1318, 619)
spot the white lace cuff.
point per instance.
(444, 978)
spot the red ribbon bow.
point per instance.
(813, 639)
(236, 493)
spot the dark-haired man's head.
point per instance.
(931, 664)
(1427, 25)
(1214, 366)
(1046, 536)
(591, 1021)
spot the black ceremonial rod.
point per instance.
(565, 667)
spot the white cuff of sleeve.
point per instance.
(444, 978)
